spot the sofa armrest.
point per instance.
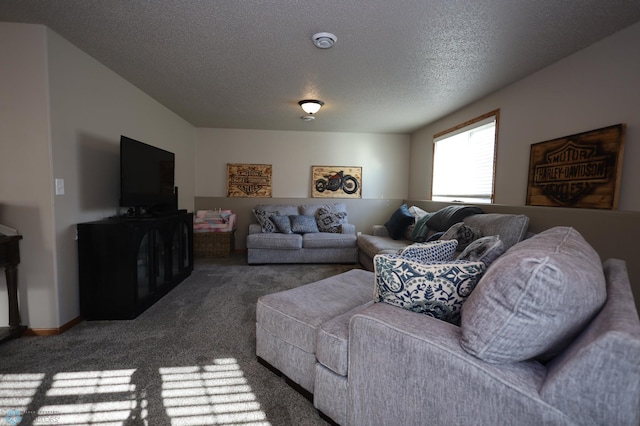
(379, 231)
(405, 366)
(348, 228)
(255, 228)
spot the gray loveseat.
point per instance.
(311, 233)
(550, 335)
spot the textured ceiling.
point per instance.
(397, 64)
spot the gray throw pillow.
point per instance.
(283, 224)
(462, 233)
(484, 249)
(534, 299)
(301, 224)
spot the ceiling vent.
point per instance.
(324, 40)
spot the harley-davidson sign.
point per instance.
(581, 170)
(248, 180)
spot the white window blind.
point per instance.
(463, 163)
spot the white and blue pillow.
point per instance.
(432, 251)
(437, 289)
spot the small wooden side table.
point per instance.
(9, 259)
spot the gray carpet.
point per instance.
(189, 359)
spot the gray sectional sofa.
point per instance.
(549, 335)
(311, 233)
(510, 228)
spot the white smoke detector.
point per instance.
(308, 118)
(324, 40)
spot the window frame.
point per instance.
(463, 127)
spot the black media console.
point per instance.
(128, 264)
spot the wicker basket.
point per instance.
(213, 244)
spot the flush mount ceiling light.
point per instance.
(324, 40)
(311, 106)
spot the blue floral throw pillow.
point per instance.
(433, 251)
(437, 289)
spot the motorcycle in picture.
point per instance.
(339, 180)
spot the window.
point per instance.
(464, 161)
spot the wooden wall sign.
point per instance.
(581, 170)
(248, 180)
(336, 182)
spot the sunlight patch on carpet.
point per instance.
(16, 393)
(216, 394)
(114, 387)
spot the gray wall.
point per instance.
(61, 118)
(594, 88)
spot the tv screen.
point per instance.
(146, 176)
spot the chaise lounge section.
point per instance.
(550, 335)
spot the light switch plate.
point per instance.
(59, 186)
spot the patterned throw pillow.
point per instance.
(485, 250)
(264, 219)
(329, 221)
(434, 251)
(436, 289)
(301, 224)
(283, 224)
(464, 234)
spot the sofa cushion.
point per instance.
(274, 240)
(332, 344)
(485, 249)
(436, 289)
(329, 240)
(282, 223)
(511, 228)
(301, 224)
(312, 209)
(329, 221)
(462, 233)
(264, 218)
(433, 251)
(399, 222)
(373, 244)
(294, 315)
(534, 299)
(282, 209)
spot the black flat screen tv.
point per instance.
(146, 178)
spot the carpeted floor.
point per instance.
(187, 360)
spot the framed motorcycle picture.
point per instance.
(336, 182)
